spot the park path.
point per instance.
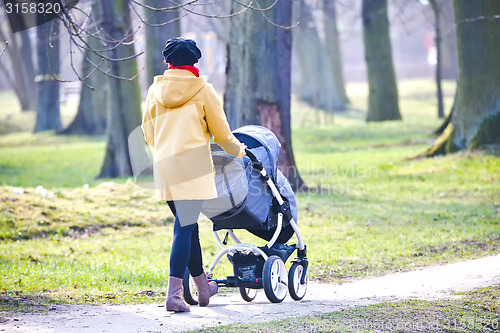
(429, 283)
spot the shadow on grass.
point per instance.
(15, 302)
(12, 302)
(7, 171)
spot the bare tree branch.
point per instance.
(152, 24)
(195, 3)
(4, 48)
(478, 18)
(269, 20)
(177, 6)
(82, 25)
(249, 6)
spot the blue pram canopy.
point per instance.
(249, 202)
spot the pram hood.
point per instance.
(251, 134)
(256, 137)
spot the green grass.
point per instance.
(371, 209)
(104, 244)
(476, 311)
(12, 120)
(49, 160)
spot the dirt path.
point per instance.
(430, 283)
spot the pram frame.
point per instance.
(296, 283)
(239, 246)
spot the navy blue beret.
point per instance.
(181, 51)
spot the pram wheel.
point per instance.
(248, 294)
(189, 290)
(274, 279)
(297, 290)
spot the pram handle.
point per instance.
(251, 156)
(254, 159)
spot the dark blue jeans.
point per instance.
(186, 249)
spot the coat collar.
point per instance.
(178, 72)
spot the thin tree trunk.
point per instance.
(317, 61)
(47, 112)
(383, 91)
(91, 116)
(18, 82)
(449, 42)
(156, 37)
(476, 118)
(28, 67)
(10, 80)
(124, 112)
(92, 109)
(259, 81)
(310, 50)
(436, 8)
(334, 55)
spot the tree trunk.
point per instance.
(321, 83)
(21, 81)
(310, 51)
(449, 42)
(47, 111)
(383, 91)
(334, 55)
(91, 115)
(258, 77)
(436, 8)
(476, 118)
(124, 112)
(28, 67)
(156, 37)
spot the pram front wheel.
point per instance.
(248, 294)
(295, 287)
(274, 279)
(189, 290)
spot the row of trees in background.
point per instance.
(259, 67)
(322, 82)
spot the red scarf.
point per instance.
(190, 68)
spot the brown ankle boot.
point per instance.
(205, 289)
(174, 300)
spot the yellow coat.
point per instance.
(182, 111)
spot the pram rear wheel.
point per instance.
(248, 294)
(189, 289)
(274, 279)
(297, 290)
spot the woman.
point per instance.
(182, 111)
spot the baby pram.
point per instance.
(254, 195)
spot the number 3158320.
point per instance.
(33, 8)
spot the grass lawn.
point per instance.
(476, 311)
(371, 209)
